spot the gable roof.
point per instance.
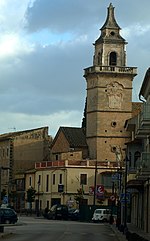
(74, 135)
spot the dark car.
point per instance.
(58, 211)
(74, 214)
(8, 215)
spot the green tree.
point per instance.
(79, 196)
(31, 196)
(84, 117)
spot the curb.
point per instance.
(4, 235)
(120, 235)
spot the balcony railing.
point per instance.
(110, 69)
(142, 122)
(144, 163)
(145, 114)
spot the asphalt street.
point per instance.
(40, 229)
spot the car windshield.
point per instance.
(98, 211)
(53, 208)
(71, 210)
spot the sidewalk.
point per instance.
(133, 233)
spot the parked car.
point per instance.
(73, 214)
(58, 211)
(8, 215)
(101, 215)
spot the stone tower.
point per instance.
(109, 94)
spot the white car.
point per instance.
(101, 215)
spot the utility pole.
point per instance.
(0, 184)
(125, 194)
(95, 182)
(38, 204)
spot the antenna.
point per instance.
(12, 128)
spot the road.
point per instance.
(40, 229)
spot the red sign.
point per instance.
(112, 198)
(100, 191)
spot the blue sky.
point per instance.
(44, 47)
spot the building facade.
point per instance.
(18, 152)
(61, 182)
(138, 151)
(69, 140)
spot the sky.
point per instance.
(45, 46)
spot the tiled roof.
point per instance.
(75, 136)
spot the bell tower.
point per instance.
(109, 93)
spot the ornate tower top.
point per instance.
(110, 31)
(110, 20)
(110, 48)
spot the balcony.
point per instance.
(143, 171)
(143, 121)
(110, 69)
(145, 115)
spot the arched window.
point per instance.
(99, 58)
(113, 58)
(137, 156)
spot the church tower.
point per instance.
(109, 94)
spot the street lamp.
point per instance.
(95, 182)
(125, 193)
(38, 203)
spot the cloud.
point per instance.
(18, 121)
(12, 45)
(44, 48)
(61, 16)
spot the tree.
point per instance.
(84, 116)
(79, 196)
(31, 196)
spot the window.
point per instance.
(3, 152)
(30, 181)
(137, 156)
(106, 180)
(83, 179)
(47, 183)
(113, 59)
(53, 179)
(60, 179)
(39, 180)
(99, 58)
(7, 152)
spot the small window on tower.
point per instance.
(113, 123)
(113, 59)
(112, 33)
